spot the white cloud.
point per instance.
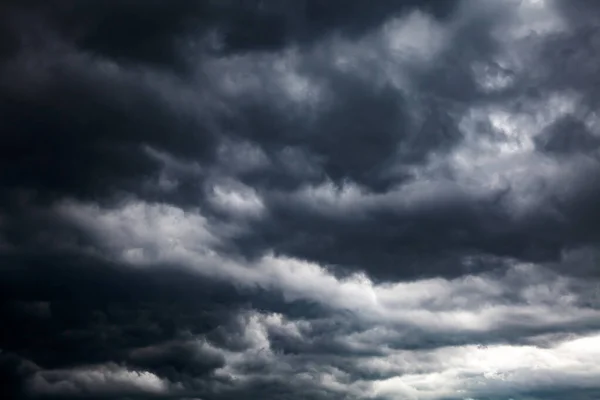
(469, 371)
(236, 199)
(416, 37)
(103, 380)
(143, 234)
(498, 370)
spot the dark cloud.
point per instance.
(567, 135)
(150, 32)
(69, 78)
(43, 141)
(299, 199)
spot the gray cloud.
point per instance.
(322, 200)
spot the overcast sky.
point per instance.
(300, 199)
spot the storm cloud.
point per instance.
(303, 199)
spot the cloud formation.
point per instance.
(299, 200)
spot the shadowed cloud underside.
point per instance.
(300, 199)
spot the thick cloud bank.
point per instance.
(304, 199)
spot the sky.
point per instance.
(300, 199)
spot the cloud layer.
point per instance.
(299, 200)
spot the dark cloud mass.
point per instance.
(304, 199)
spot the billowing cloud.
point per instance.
(299, 199)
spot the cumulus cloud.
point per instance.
(299, 199)
(103, 380)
